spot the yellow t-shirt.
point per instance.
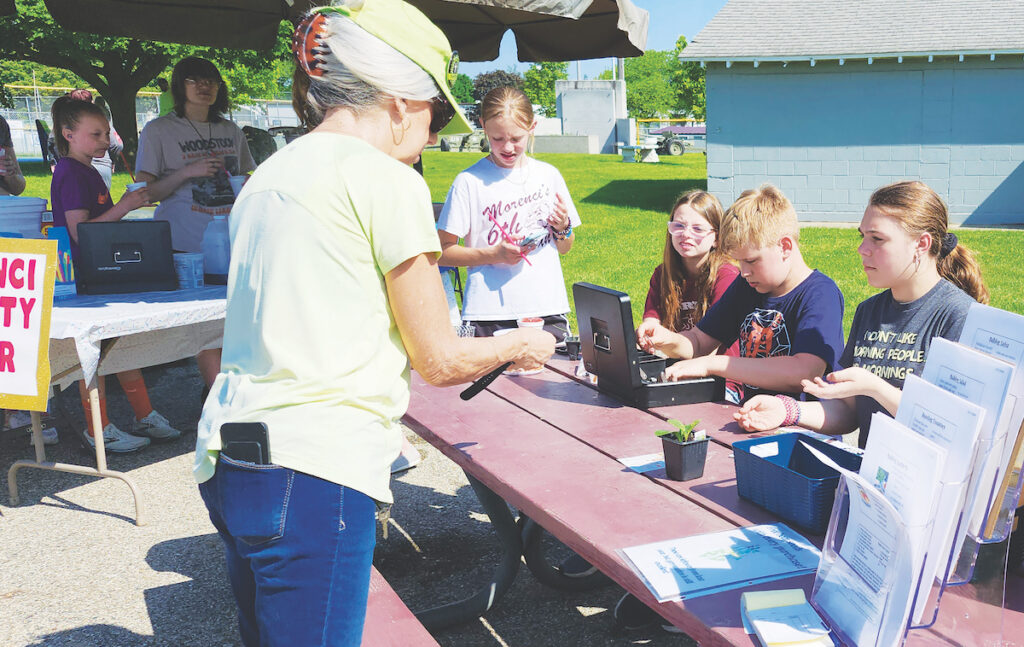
(310, 345)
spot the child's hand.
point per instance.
(206, 167)
(761, 413)
(845, 383)
(559, 218)
(507, 253)
(645, 330)
(687, 369)
(134, 199)
(652, 336)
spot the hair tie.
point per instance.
(307, 43)
(949, 243)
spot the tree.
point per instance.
(649, 90)
(484, 83)
(688, 81)
(119, 67)
(606, 75)
(462, 90)
(539, 84)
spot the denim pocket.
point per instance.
(253, 499)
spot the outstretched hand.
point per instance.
(761, 413)
(845, 383)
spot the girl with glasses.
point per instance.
(334, 293)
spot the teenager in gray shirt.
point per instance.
(929, 282)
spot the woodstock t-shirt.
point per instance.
(891, 339)
(171, 142)
(486, 198)
(807, 319)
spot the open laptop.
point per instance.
(125, 256)
(608, 345)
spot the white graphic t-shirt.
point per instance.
(486, 198)
(172, 142)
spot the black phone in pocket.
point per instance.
(246, 441)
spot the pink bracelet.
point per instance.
(792, 410)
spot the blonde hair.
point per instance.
(674, 278)
(919, 209)
(759, 217)
(511, 103)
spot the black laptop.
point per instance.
(608, 345)
(125, 256)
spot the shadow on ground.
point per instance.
(653, 195)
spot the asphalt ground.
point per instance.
(75, 570)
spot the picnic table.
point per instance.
(548, 445)
(92, 335)
(645, 152)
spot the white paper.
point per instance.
(703, 564)
(955, 425)
(783, 618)
(645, 462)
(983, 380)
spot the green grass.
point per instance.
(624, 209)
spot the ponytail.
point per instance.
(961, 268)
(66, 113)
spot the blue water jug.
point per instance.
(216, 249)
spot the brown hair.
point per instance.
(919, 209)
(760, 217)
(66, 113)
(198, 67)
(673, 272)
(507, 101)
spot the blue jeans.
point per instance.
(299, 551)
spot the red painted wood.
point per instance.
(547, 444)
(389, 623)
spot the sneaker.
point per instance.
(155, 426)
(631, 613)
(49, 436)
(115, 440)
(575, 566)
(408, 459)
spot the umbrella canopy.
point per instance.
(545, 30)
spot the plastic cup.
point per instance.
(530, 322)
(236, 183)
(135, 186)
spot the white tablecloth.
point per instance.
(132, 330)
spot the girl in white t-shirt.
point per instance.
(516, 218)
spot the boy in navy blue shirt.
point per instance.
(787, 317)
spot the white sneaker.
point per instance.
(115, 440)
(155, 426)
(49, 436)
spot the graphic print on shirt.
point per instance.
(764, 334)
(520, 217)
(889, 354)
(686, 321)
(212, 195)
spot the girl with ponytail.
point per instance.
(929, 280)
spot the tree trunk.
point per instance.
(122, 109)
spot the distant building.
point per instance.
(830, 99)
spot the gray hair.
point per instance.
(361, 69)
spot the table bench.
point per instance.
(548, 445)
(640, 153)
(389, 623)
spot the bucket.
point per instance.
(189, 268)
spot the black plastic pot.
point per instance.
(684, 461)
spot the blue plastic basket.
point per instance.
(785, 478)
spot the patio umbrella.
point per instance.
(545, 30)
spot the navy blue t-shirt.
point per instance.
(807, 319)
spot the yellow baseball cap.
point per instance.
(406, 29)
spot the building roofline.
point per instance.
(853, 56)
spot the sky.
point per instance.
(668, 19)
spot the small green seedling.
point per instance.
(682, 433)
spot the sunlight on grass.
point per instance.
(624, 209)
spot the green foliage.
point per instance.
(649, 89)
(539, 84)
(682, 433)
(463, 89)
(27, 73)
(484, 83)
(607, 75)
(688, 82)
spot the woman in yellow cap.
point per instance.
(333, 292)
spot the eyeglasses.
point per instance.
(198, 80)
(678, 229)
(441, 113)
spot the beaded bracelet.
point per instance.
(565, 233)
(792, 410)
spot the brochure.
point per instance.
(704, 564)
(783, 618)
(953, 424)
(984, 380)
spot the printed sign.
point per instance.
(27, 269)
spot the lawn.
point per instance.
(624, 210)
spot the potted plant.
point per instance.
(685, 450)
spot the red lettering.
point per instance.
(3, 271)
(8, 304)
(18, 265)
(31, 276)
(6, 357)
(26, 309)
